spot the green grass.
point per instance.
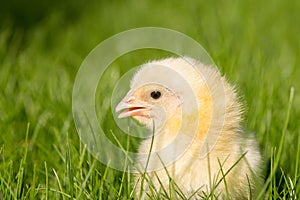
(255, 43)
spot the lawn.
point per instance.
(256, 44)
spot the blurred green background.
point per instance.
(255, 43)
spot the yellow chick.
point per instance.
(196, 143)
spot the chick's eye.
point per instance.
(155, 94)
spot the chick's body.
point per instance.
(198, 142)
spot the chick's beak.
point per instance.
(132, 107)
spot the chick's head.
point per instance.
(181, 95)
(150, 104)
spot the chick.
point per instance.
(195, 140)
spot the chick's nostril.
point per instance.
(130, 99)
